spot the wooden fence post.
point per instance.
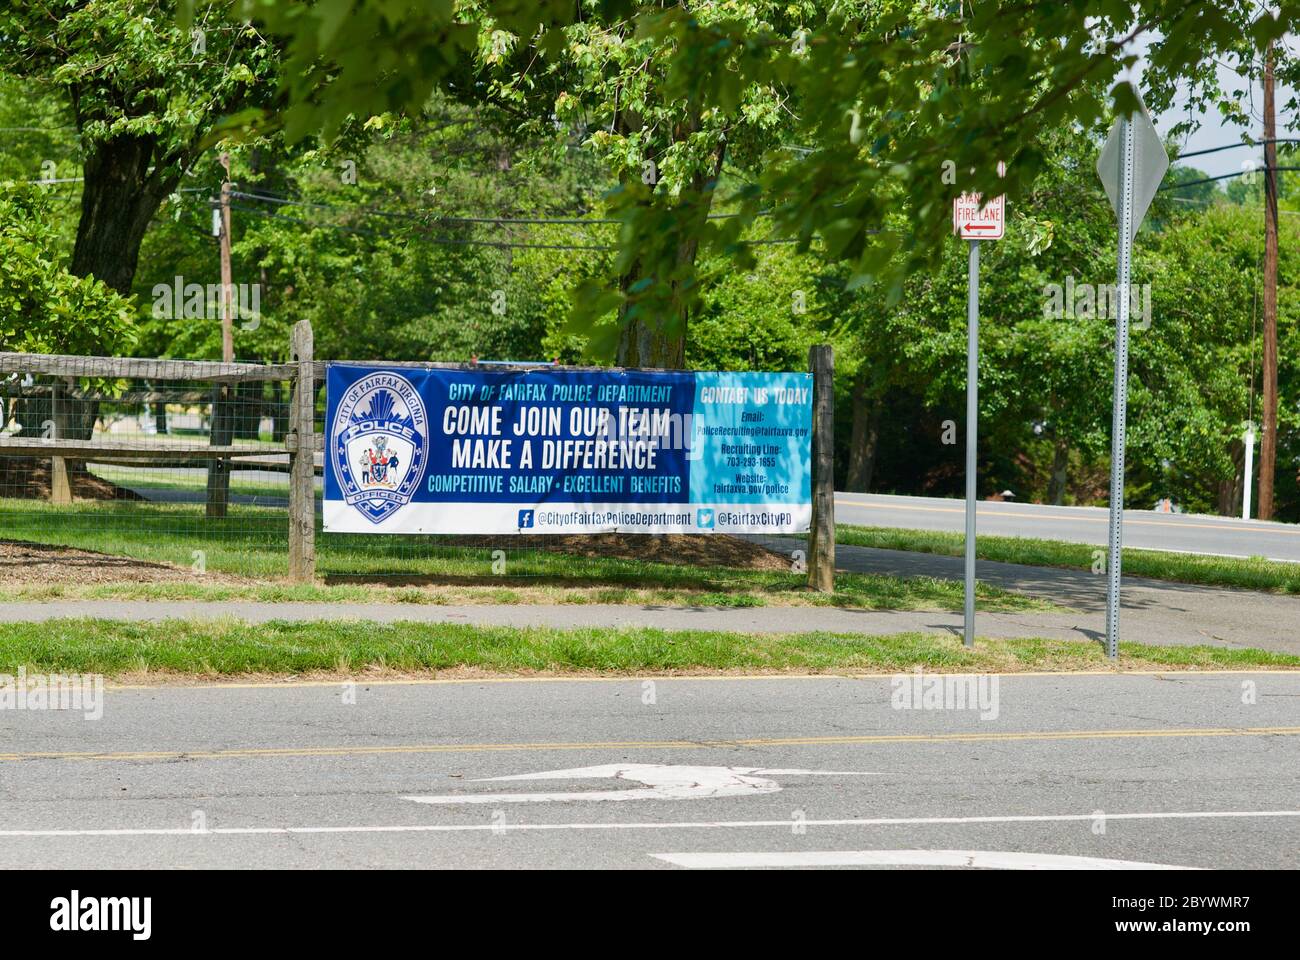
(821, 533)
(302, 458)
(60, 488)
(219, 469)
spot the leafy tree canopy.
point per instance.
(890, 100)
(43, 307)
(142, 93)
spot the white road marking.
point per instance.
(978, 859)
(660, 825)
(663, 782)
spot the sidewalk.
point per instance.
(1139, 626)
(1152, 611)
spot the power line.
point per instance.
(268, 197)
(1234, 146)
(462, 241)
(1226, 176)
(450, 241)
(271, 198)
(1223, 201)
(55, 180)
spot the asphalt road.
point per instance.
(1190, 533)
(1175, 770)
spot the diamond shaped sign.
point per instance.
(1149, 164)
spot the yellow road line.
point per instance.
(1087, 519)
(429, 748)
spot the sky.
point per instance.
(1215, 132)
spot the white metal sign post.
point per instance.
(1119, 419)
(974, 223)
(1249, 441)
(1131, 166)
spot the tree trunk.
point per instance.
(124, 184)
(79, 422)
(247, 413)
(1060, 473)
(119, 197)
(649, 341)
(864, 438)
(76, 417)
(279, 413)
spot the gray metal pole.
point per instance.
(1118, 423)
(972, 426)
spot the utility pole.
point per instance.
(821, 532)
(227, 321)
(1268, 424)
(221, 430)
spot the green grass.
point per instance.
(145, 479)
(653, 585)
(251, 543)
(1254, 573)
(232, 648)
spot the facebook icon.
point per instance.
(525, 519)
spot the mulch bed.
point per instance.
(27, 563)
(44, 564)
(28, 478)
(700, 550)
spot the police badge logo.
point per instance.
(378, 444)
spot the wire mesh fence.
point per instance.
(163, 471)
(167, 469)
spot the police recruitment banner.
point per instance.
(547, 450)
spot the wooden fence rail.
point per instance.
(300, 444)
(113, 368)
(127, 449)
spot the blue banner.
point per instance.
(548, 450)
